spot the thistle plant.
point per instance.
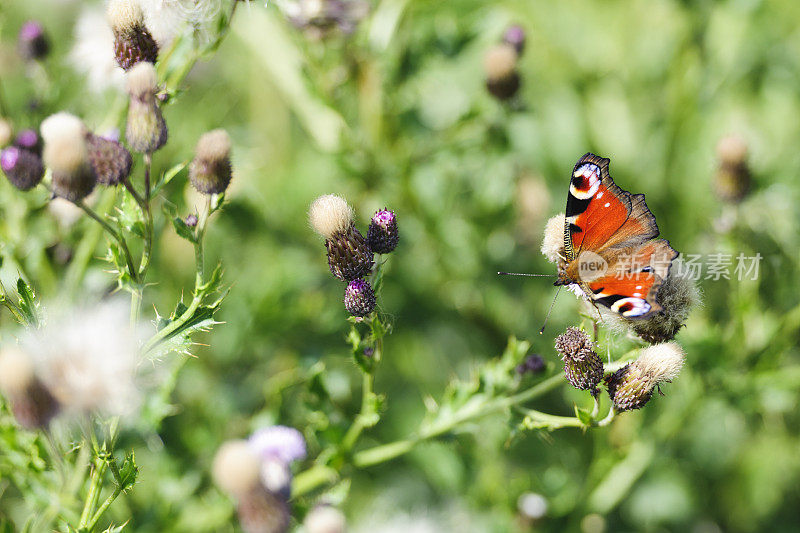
(77, 374)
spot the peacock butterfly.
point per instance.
(611, 250)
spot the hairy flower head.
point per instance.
(553, 240)
(631, 387)
(330, 214)
(236, 467)
(66, 154)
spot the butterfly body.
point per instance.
(610, 247)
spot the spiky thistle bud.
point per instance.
(261, 511)
(500, 66)
(325, 519)
(349, 254)
(382, 233)
(110, 160)
(29, 140)
(133, 43)
(533, 364)
(582, 366)
(67, 155)
(359, 298)
(23, 168)
(146, 130)
(210, 171)
(236, 468)
(33, 42)
(732, 179)
(515, 37)
(31, 403)
(632, 386)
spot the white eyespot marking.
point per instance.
(631, 307)
(608, 204)
(599, 195)
(637, 294)
(638, 286)
(585, 181)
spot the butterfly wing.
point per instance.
(604, 219)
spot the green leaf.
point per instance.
(27, 303)
(583, 415)
(128, 472)
(183, 230)
(169, 175)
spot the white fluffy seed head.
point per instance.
(660, 362)
(16, 371)
(64, 137)
(325, 519)
(214, 146)
(236, 468)
(500, 61)
(732, 150)
(142, 80)
(553, 240)
(124, 15)
(330, 214)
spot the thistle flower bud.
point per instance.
(236, 468)
(553, 240)
(110, 160)
(515, 37)
(133, 43)
(67, 155)
(31, 403)
(146, 130)
(382, 234)
(582, 366)
(631, 387)
(533, 364)
(210, 171)
(349, 254)
(23, 168)
(359, 298)
(261, 511)
(6, 132)
(732, 180)
(325, 519)
(33, 42)
(500, 66)
(29, 140)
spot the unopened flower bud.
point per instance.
(500, 65)
(191, 221)
(146, 130)
(110, 160)
(261, 511)
(582, 366)
(31, 403)
(236, 468)
(23, 168)
(210, 171)
(133, 43)
(382, 233)
(631, 387)
(33, 42)
(515, 37)
(732, 178)
(533, 364)
(29, 140)
(325, 519)
(359, 298)
(67, 155)
(349, 254)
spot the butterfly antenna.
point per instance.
(541, 331)
(523, 274)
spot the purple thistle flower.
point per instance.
(382, 234)
(359, 298)
(515, 36)
(29, 140)
(23, 168)
(278, 442)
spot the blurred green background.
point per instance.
(397, 115)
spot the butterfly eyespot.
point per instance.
(631, 307)
(585, 181)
